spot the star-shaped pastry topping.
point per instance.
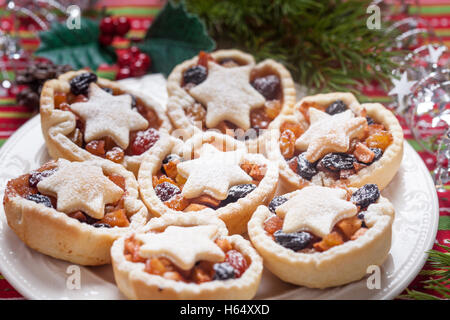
(184, 246)
(108, 116)
(329, 133)
(315, 209)
(228, 95)
(213, 173)
(80, 186)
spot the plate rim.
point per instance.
(14, 279)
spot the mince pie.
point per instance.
(74, 210)
(209, 171)
(322, 237)
(181, 256)
(85, 117)
(227, 91)
(330, 139)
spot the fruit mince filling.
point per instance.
(140, 141)
(361, 153)
(344, 230)
(168, 184)
(233, 266)
(26, 187)
(265, 82)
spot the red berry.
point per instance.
(123, 73)
(105, 39)
(134, 51)
(107, 26)
(125, 59)
(145, 59)
(237, 261)
(138, 68)
(122, 25)
(143, 140)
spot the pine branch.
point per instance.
(325, 44)
(439, 280)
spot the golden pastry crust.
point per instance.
(57, 125)
(56, 234)
(337, 266)
(381, 172)
(135, 283)
(179, 98)
(235, 215)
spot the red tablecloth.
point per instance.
(141, 13)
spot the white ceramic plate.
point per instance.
(37, 276)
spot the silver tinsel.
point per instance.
(42, 13)
(421, 87)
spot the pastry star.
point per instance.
(329, 133)
(212, 173)
(108, 115)
(228, 95)
(184, 246)
(315, 209)
(80, 186)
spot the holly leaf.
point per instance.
(174, 36)
(78, 47)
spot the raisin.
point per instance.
(172, 157)
(166, 190)
(338, 161)
(223, 271)
(361, 216)
(336, 107)
(80, 84)
(305, 169)
(370, 120)
(196, 75)
(269, 86)
(276, 202)
(133, 100)
(366, 195)
(40, 198)
(237, 261)
(378, 153)
(144, 140)
(101, 225)
(90, 220)
(109, 90)
(237, 192)
(37, 176)
(294, 241)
